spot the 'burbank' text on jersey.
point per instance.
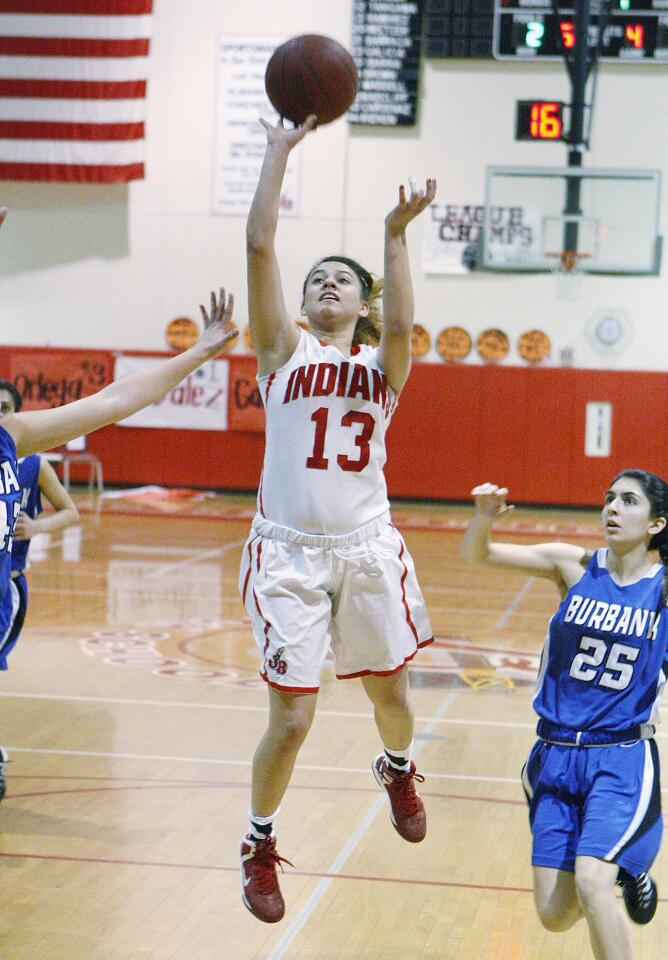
(8, 480)
(613, 618)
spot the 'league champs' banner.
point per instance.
(198, 403)
(452, 233)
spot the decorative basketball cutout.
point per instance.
(492, 345)
(534, 346)
(453, 344)
(311, 74)
(420, 341)
(181, 333)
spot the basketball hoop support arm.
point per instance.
(578, 66)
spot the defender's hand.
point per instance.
(218, 331)
(490, 500)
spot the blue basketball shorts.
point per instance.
(602, 802)
(14, 604)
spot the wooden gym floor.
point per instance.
(131, 711)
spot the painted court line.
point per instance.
(149, 549)
(238, 708)
(217, 761)
(514, 603)
(194, 559)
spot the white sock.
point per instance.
(399, 758)
(260, 828)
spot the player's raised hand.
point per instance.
(409, 207)
(218, 329)
(288, 137)
(490, 500)
(3, 214)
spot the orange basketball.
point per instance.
(311, 74)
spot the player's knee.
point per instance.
(590, 888)
(389, 697)
(555, 918)
(293, 728)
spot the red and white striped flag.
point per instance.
(72, 89)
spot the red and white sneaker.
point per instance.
(260, 891)
(406, 808)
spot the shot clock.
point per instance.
(539, 120)
(633, 30)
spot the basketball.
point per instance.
(311, 74)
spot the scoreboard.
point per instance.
(632, 30)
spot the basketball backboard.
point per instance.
(607, 219)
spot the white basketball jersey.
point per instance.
(325, 439)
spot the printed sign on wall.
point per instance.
(246, 410)
(239, 138)
(452, 233)
(49, 379)
(197, 403)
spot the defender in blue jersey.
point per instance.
(592, 778)
(36, 478)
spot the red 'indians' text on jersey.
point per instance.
(325, 439)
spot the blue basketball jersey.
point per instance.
(31, 504)
(603, 666)
(10, 505)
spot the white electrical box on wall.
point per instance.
(598, 429)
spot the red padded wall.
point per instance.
(455, 426)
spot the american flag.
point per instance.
(72, 89)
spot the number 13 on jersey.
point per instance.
(365, 425)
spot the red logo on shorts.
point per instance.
(280, 666)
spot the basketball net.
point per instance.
(568, 273)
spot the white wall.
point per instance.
(101, 266)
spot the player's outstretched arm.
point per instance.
(64, 513)
(395, 344)
(43, 429)
(3, 214)
(560, 562)
(274, 334)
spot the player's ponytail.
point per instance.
(367, 329)
(663, 557)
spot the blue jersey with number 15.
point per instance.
(603, 667)
(10, 504)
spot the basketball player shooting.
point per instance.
(323, 565)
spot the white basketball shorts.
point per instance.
(356, 593)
